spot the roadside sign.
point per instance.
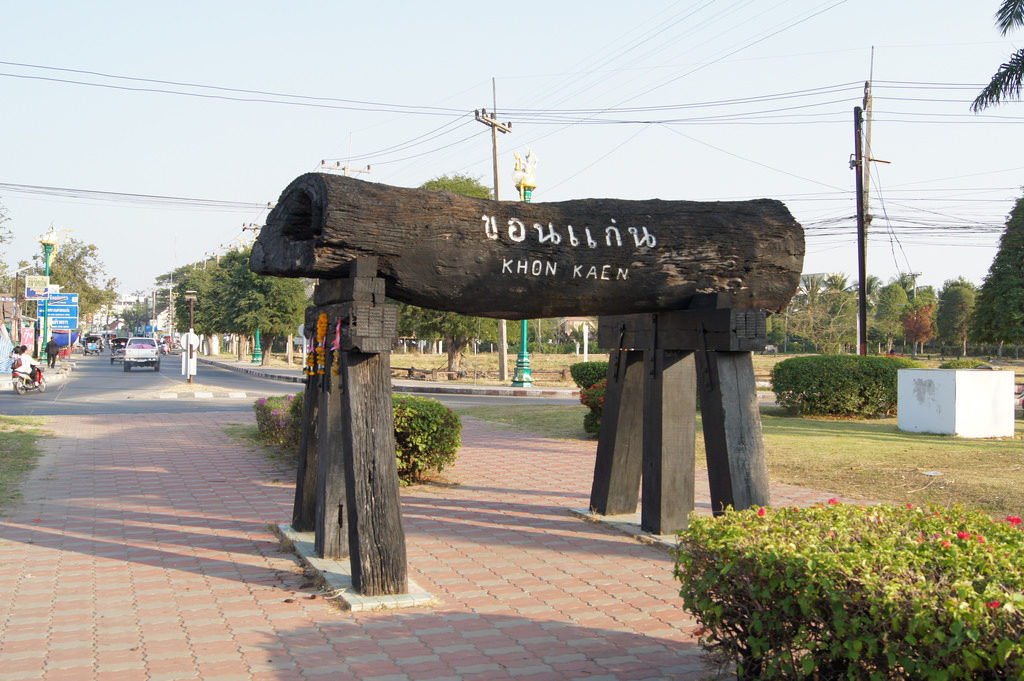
(35, 287)
(62, 311)
(63, 299)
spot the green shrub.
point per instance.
(427, 433)
(963, 363)
(858, 592)
(593, 399)
(279, 420)
(839, 385)
(586, 374)
(427, 436)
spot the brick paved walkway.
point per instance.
(142, 551)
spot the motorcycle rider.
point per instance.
(26, 365)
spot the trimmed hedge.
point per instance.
(839, 385)
(427, 433)
(586, 374)
(427, 436)
(963, 363)
(858, 592)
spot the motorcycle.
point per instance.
(23, 383)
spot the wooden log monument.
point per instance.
(682, 289)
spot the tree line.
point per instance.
(822, 317)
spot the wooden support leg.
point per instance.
(331, 533)
(616, 487)
(376, 537)
(304, 510)
(732, 430)
(669, 440)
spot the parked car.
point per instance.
(117, 349)
(141, 351)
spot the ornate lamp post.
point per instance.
(257, 351)
(49, 242)
(525, 182)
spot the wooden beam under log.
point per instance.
(516, 260)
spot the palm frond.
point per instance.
(1005, 85)
(1010, 15)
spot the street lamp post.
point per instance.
(257, 351)
(49, 242)
(525, 182)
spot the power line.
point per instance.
(153, 200)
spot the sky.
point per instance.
(160, 132)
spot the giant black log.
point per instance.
(516, 260)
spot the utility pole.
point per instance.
(491, 121)
(861, 164)
(868, 102)
(857, 165)
(345, 169)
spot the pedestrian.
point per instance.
(52, 350)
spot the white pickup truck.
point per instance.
(140, 351)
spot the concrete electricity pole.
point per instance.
(491, 121)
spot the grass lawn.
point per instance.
(18, 454)
(865, 459)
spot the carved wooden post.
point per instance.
(376, 536)
(732, 431)
(304, 510)
(331, 534)
(670, 427)
(357, 447)
(616, 486)
(721, 340)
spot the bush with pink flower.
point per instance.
(842, 591)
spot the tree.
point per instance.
(953, 319)
(999, 309)
(5, 232)
(824, 312)
(456, 330)
(77, 268)
(205, 310)
(243, 302)
(136, 317)
(1008, 79)
(917, 325)
(458, 184)
(891, 305)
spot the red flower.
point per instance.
(761, 512)
(1013, 519)
(963, 535)
(910, 505)
(992, 604)
(833, 500)
(945, 544)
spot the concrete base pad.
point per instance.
(628, 523)
(337, 578)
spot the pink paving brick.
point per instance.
(145, 546)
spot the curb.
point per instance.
(402, 386)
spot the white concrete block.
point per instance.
(971, 403)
